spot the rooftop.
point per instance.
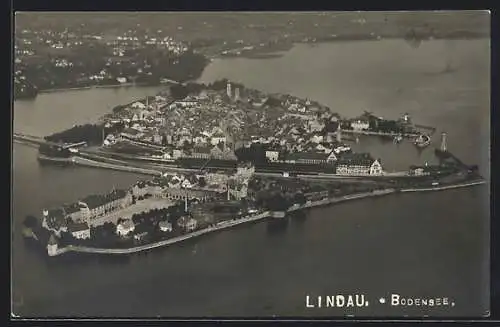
(95, 201)
(356, 159)
(307, 156)
(77, 227)
(127, 224)
(71, 208)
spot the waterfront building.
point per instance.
(418, 171)
(79, 230)
(52, 246)
(121, 80)
(94, 206)
(360, 124)
(125, 228)
(165, 226)
(360, 164)
(187, 223)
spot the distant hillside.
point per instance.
(234, 26)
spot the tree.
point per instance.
(30, 221)
(300, 198)
(186, 145)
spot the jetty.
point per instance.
(392, 134)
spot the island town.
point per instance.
(221, 155)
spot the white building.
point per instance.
(360, 124)
(359, 165)
(272, 155)
(138, 105)
(125, 227)
(236, 94)
(79, 230)
(165, 226)
(121, 80)
(52, 246)
(177, 153)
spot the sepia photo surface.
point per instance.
(257, 164)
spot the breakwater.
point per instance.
(363, 132)
(445, 187)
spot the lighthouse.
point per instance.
(443, 142)
(52, 246)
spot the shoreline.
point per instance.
(263, 55)
(84, 162)
(97, 87)
(258, 217)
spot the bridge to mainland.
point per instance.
(37, 140)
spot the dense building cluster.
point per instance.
(213, 124)
(70, 58)
(78, 218)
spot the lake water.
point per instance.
(419, 245)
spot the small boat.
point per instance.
(422, 141)
(398, 138)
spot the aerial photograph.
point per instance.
(295, 165)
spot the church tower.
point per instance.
(229, 89)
